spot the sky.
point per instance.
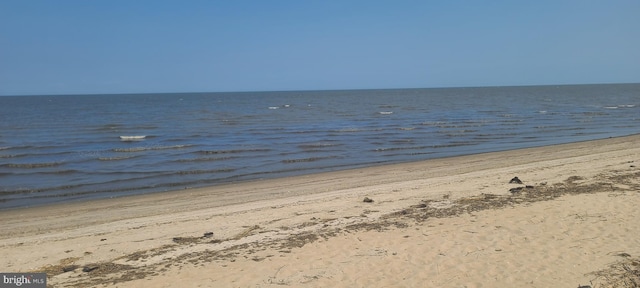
(144, 46)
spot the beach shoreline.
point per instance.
(228, 187)
(225, 235)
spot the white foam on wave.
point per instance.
(133, 138)
(385, 112)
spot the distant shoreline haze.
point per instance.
(315, 90)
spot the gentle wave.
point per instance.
(348, 130)
(495, 136)
(134, 149)
(206, 159)
(31, 165)
(39, 192)
(433, 123)
(401, 148)
(318, 145)
(115, 158)
(453, 144)
(591, 113)
(302, 132)
(456, 133)
(233, 151)
(30, 147)
(68, 171)
(108, 127)
(140, 149)
(11, 156)
(72, 190)
(310, 159)
(428, 147)
(213, 171)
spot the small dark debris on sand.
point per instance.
(207, 235)
(624, 273)
(186, 240)
(518, 196)
(90, 268)
(70, 268)
(515, 180)
(367, 200)
(519, 189)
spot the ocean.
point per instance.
(67, 148)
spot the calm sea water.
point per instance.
(66, 148)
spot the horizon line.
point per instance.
(319, 90)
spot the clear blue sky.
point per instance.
(139, 46)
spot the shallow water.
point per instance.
(66, 148)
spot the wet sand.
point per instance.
(451, 222)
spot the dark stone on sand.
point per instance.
(529, 186)
(516, 190)
(583, 286)
(70, 268)
(208, 234)
(89, 268)
(515, 180)
(367, 200)
(103, 239)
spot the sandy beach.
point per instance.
(452, 222)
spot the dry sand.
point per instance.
(449, 222)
